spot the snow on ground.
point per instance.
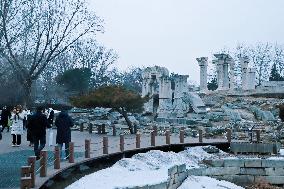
(114, 177)
(142, 169)
(282, 152)
(197, 182)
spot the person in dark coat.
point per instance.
(5, 116)
(29, 133)
(37, 125)
(50, 117)
(63, 123)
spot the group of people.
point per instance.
(36, 125)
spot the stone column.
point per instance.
(220, 74)
(215, 62)
(220, 70)
(148, 106)
(180, 87)
(244, 65)
(226, 75)
(143, 87)
(203, 63)
(165, 95)
(232, 73)
(251, 78)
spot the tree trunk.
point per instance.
(124, 114)
(27, 87)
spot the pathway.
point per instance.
(12, 158)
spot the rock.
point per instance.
(211, 149)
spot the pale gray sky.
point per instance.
(172, 33)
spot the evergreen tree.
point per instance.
(75, 80)
(212, 85)
(275, 75)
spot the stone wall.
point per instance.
(260, 148)
(176, 175)
(244, 171)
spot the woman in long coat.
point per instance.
(63, 123)
(17, 129)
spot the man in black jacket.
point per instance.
(38, 124)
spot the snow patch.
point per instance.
(143, 168)
(282, 152)
(198, 182)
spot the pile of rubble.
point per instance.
(241, 114)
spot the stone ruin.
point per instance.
(225, 68)
(174, 104)
(169, 97)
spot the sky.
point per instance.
(173, 33)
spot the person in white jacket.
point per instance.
(17, 129)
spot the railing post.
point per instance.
(56, 157)
(25, 177)
(155, 128)
(229, 135)
(105, 145)
(25, 182)
(200, 135)
(71, 152)
(257, 135)
(81, 127)
(138, 140)
(153, 140)
(103, 129)
(87, 148)
(113, 130)
(121, 143)
(99, 127)
(43, 161)
(181, 136)
(135, 128)
(168, 137)
(31, 162)
(90, 128)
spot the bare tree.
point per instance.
(261, 56)
(278, 58)
(240, 51)
(89, 54)
(36, 32)
(84, 53)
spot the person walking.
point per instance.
(37, 125)
(26, 112)
(5, 116)
(63, 123)
(50, 117)
(17, 128)
(29, 133)
(50, 123)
